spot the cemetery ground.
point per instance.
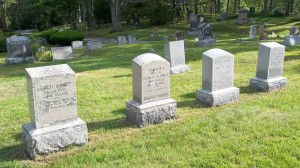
(260, 130)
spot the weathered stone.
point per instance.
(93, 45)
(131, 39)
(62, 53)
(192, 17)
(18, 50)
(217, 79)
(175, 54)
(179, 35)
(54, 123)
(121, 40)
(269, 68)
(77, 44)
(291, 40)
(205, 36)
(243, 16)
(294, 31)
(151, 91)
(252, 33)
(223, 16)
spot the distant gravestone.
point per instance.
(263, 35)
(121, 40)
(77, 44)
(291, 40)
(223, 16)
(201, 18)
(62, 53)
(217, 78)
(269, 68)
(243, 16)
(18, 50)
(294, 31)
(54, 123)
(131, 39)
(192, 17)
(151, 91)
(193, 31)
(175, 54)
(179, 35)
(252, 10)
(252, 33)
(205, 35)
(93, 45)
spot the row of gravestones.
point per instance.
(19, 48)
(54, 123)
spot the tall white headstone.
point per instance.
(151, 91)
(269, 68)
(175, 54)
(217, 78)
(54, 123)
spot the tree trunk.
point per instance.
(287, 7)
(196, 7)
(271, 6)
(292, 6)
(234, 6)
(227, 6)
(89, 14)
(265, 10)
(115, 10)
(211, 8)
(218, 5)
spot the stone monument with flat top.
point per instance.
(217, 78)
(269, 68)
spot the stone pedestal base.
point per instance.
(218, 97)
(180, 69)
(193, 32)
(18, 60)
(260, 84)
(53, 138)
(150, 113)
(206, 42)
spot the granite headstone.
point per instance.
(269, 68)
(77, 44)
(131, 39)
(121, 40)
(62, 53)
(252, 33)
(93, 45)
(243, 16)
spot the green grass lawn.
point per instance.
(261, 130)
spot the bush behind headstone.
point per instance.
(65, 38)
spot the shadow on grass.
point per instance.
(191, 101)
(13, 153)
(122, 76)
(108, 124)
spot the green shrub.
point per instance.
(46, 56)
(47, 34)
(65, 38)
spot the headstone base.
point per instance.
(219, 97)
(53, 138)
(180, 69)
(193, 32)
(206, 42)
(150, 113)
(18, 60)
(260, 84)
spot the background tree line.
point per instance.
(43, 14)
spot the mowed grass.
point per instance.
(261, 130)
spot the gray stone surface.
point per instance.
(54, 138)
(62, 53)
(192, 17)
(269, 68)
(206, 42)
(150, 113)
(291, 40)
(252, 33)
(16, 52)
(93, 45)
(131, 39)
(217, 78)
(121, 40)
(294, 31)
(259, 84)
(151, 91)
(243, 16)
(175, 54)
(77, 44)
(223, 16)
(53, 110)
(220, 97)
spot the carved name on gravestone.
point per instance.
(62, 53)
(217, 78)
(77, 44)
(131, 39)
(175, 54)
(18, 50)
(269, 68)
(252, 33)
(121, 40)
(151, 91)
(54, 123)
(93, 45)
